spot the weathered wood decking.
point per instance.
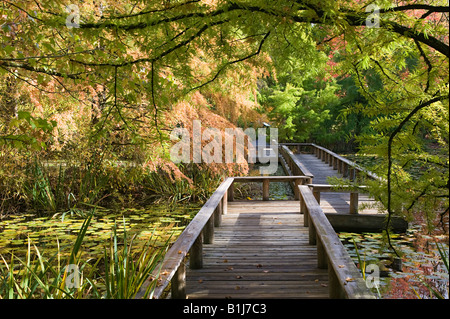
(270, 249)
(261, 250)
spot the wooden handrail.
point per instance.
(353, 190)
(338, 162)
(345, 280)
(296, 167)
(200, 230)
(296, 180)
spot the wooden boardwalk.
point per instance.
(269, 249)
(334, 202)
(261, 250)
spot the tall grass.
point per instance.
(119, 274)
(126, 272)
(176, 190)
(39, 188)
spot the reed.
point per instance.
(119, 274)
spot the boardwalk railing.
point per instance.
(345, 280)
(347, 168)
(201, 231)
(265, 180)
(294, 165)
(317, 189)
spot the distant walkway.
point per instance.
(333, 202)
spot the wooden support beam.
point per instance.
(196, 253)
(178, 283)
(354, 203)
(265, 189)
(208, 231)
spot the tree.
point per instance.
(141, 53)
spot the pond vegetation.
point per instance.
(88, 107)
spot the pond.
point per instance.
(422, 269)
(160, 223)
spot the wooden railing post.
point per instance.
(312, 231)
(334, 286)
(265, 189)
(354, 203)
(316, 194)
(352, 173)
(231, 193)
(303, 210)
(322, 259)
(225, 203)
(335, 163)
(208, 231)
(297, 182)
(344, 170)
(196, 253)
(218, 214)
(178, 283)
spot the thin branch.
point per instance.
(231, 63)
(428, 63)
(154, 104)
(161, 55)
(389, 155)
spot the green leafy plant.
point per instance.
(125, 271)
(119, 274)
(39, 277)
